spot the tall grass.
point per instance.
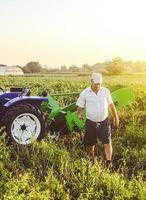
(61, 170)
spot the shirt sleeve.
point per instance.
(81, 100)
(109, 97)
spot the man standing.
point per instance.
(96, 100)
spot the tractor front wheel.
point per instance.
(25, 123)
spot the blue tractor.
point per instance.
(21, 117)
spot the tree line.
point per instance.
(116, 66)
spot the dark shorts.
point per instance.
(97, 130)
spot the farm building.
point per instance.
(10, 70)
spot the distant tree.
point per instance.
(73, 68)
(139, 66)
(129, 66)
(44, 70)
(19, 66)
(63, 68)
(86, 67)
(2, 65)
(116, 66)
(32, 67)
(98, 67)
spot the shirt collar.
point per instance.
(90, 89)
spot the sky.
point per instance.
(66, 32)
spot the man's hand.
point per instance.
(115, 115)
(80, 112)
(80, 116)
(116, 121)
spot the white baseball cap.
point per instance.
(96, 77)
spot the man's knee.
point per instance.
(108, 151)
(108, 145)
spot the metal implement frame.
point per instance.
(121, 97)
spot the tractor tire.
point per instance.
(25, 123)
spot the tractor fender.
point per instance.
(33, 100)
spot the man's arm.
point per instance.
(115, 114)
(80, 105)
(80, 112)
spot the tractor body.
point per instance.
(18, 96)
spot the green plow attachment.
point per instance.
(123, 97)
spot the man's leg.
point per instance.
(108, 150)
(90, 138)
(90, 151)
(105, 137)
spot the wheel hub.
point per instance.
(23, 127)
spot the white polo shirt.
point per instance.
(96, 105)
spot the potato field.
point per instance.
(61, 170)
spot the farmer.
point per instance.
(96, 100)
